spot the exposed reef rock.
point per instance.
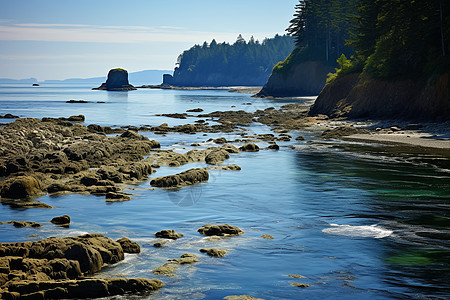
(56, 156)
(220, 230)
(358, 96)
(168, 234)
(117, 81)
(169, 268)
(56, 268)
(129, 246)
(20, 224)
(304, 79)
(62, 220)
(188, 177)
(214, 252)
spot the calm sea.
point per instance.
(358, 221)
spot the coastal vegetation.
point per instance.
(379, 59)
(222, 64)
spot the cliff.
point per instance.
(360, 96)
(117, 81)
(305, 79)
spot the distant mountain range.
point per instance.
(135, 78)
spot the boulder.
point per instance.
(129, 246)
(219, 230)
(168, 234)
(117, 81)
(62, 220)
(216, 156)
(188, 177)
(20, 187)
(250, 147)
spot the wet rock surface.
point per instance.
(188, 177)
(129, 246)
(57, 156)
(62, 220)
(220, 230)
(168, 269)
(214, 252)
(168, 234)
(57, 268)
(20, 224)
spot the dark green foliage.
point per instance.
(322, 26)
(402, 38)
(242, 63)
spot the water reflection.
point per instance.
(405, 195)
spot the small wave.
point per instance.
(372, 231)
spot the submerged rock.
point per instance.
(214, 252)
(169, 268)
(220, 230)
(241, 297)
(117, 81)
(267, 237)
(300, 285)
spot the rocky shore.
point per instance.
(58, 156)
(60, 268)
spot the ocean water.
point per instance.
(357, 221)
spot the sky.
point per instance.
(60, 39)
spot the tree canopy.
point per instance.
(386, 38)
(241, 63)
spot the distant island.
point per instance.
(136, 78)
(240, 64)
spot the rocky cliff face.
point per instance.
(358, 96)
(117, 81)
(305, 79)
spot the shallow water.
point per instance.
(356, 220)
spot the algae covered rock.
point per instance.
(117, 81)
(214, 252)
(62, 220)
(129, 246)
(188, 177)
(168, 234)
(220, 230)
(20, 187)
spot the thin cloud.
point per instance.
(105, 34)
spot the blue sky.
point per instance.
(50, 39)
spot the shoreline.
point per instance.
(231, 89)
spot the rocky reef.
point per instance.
(58, 156)
(359, 96)
(57, 268)
(117, 81)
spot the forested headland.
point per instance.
(392, 57)
(244, 63)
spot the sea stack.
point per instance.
(117, 81)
